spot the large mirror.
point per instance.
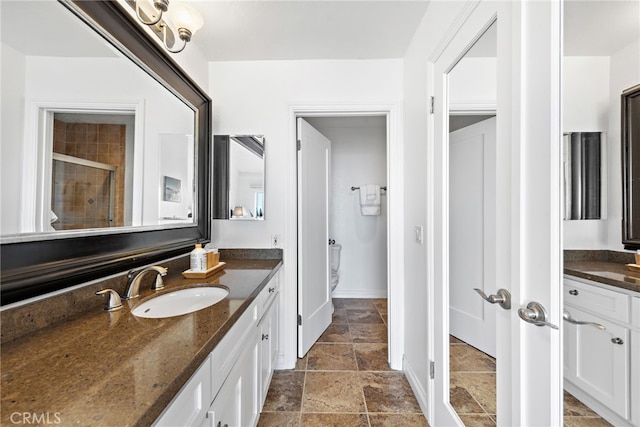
(238, 168)
(631, 168)
(105, 146)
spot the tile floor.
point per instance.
(473, 390)
(345, 379)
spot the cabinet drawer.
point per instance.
(268, 293)
(611, 304)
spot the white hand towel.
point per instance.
(370, 199)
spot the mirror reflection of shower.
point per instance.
(472, 208)
(88, 170)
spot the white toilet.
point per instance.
(335, 264)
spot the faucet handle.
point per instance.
(159, 283)
(114, 303)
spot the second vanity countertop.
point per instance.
(115, 369)
(607, 272)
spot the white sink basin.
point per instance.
(180, 302)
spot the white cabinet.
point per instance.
(599, 365)
(229, 388)
(190, 405)
(269, 345)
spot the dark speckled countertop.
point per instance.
(607, 267)
(115, 369)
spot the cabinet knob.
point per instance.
(617, 341)
(265, 337)
(573, 292)
(271, 290)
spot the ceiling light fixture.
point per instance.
(181, 20)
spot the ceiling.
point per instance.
(307, 29)
(338, 29)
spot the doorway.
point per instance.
(389, 115)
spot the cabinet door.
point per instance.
(189, 406)
(269, 334)
(597, 361)
(236, 404)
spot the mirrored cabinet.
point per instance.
(239, 177)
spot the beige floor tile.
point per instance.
(279, 419)
(574, 408)
(586, 422)
(480, 385)
(358, 303)
(368, 333)
(372, 356)
(336, 333)
(363, 316)
(334, 420)
(477, 420)
(388, 392)
(301, 364)
(381, 305)
(332, 357)
(404, 420)
(285, 391)
(463, 402)
(468, 359)
(339, 316)
(332, 392)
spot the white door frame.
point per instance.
(395, 224)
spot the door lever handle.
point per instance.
(535, 314)
(567, 316)
(502, 297)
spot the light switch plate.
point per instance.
(419, 234)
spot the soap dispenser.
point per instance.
(198, 258)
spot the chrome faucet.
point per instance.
(133, 290)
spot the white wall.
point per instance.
(358, 156)
(254, 97)
(12, 125)
(591, 94)
(585, 99)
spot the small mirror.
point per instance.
(238, 177)
(583, 166)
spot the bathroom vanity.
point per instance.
(113, 368)
(601, 356)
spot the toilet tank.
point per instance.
(335, 256)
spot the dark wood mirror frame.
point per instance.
(631, 168)
(34, 268)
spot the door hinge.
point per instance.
(299, 145)
(299, 320)
(432, 102)
(432, 369)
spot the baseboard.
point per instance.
(416, 386)
(360, 293)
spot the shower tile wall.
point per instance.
(80, 195)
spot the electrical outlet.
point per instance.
(419, 234)
(275, 240)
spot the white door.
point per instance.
(314, 287)
(528, 211)
(471, 234)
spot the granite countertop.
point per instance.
(115, 369)
(605, 267)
